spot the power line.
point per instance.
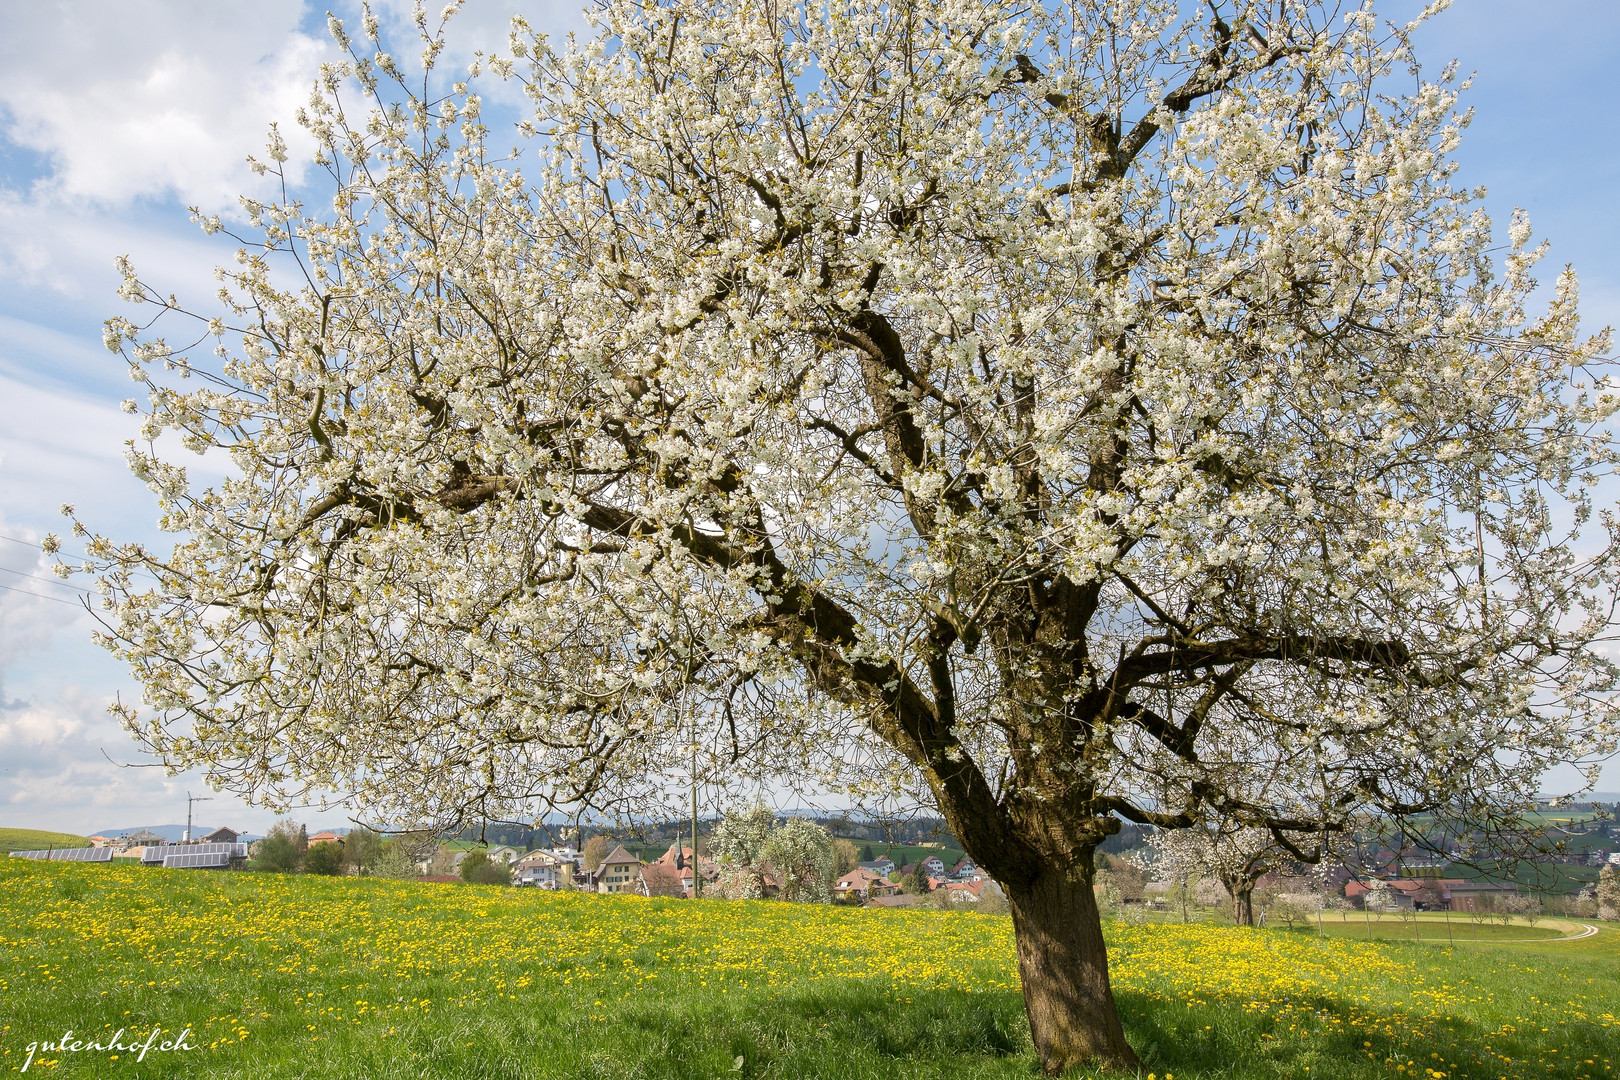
(42, 596)
(46, 580)
(25, 543)
(40, 547)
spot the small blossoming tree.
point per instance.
(1061, 413)
(1608, 892)
(740, 844)
(802, 854)
(751, 847)
(1235, 855)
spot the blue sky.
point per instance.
(117, 114)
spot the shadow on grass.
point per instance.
(1325, 1037)
(865, 1028)
(857, 1029)
(831, 1030)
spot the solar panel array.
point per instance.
(160, 853)
(204, 860)
(170, 855)
(82, 854)
(66, 854)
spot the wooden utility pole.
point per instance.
(697, 879)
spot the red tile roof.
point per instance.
(859, 878)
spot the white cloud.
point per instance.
(58, 447)
(37, 609)
(152, 97)
(130, 98)
(67, 247)
(141, 107)
(64, 762)
(67, 765)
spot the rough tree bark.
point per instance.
(1239, 877)
(1241, 888)
(1243, 907)
(1063, 963)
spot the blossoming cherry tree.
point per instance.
(1055, 413)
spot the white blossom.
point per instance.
(884, 399)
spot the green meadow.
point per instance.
(35, 839)
(286, 976)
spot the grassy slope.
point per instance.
(1461, 932)
(31, 839)
(908, 853)
(321, 977)
(1556, 879)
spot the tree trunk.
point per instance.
(1064, 967)
(1241, 888)
(1243, 907)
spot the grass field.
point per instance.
(903, 854)
(338, 977)
(1435, 932)
(1537, 877)
(31, 839)
(1436, 928)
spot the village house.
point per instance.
(863, 884)
(133, 845)
(326, 836)
(440, 859)
(620, 872)
(658, 879)
(881, 865)
(971, 892)
(933, 867)
(679, 859)
(1427, 894)
(545, 870)
(1476, 895)
(505, 854)
(222, 835)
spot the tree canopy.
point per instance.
(1055, 414)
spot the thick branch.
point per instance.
(1176, 654)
